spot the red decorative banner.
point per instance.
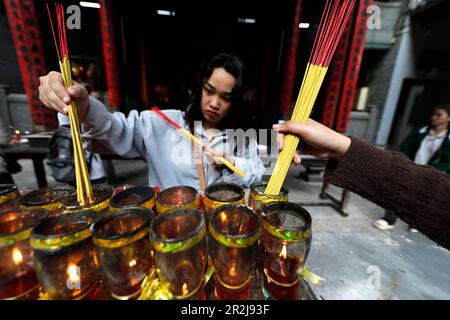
(24, 26)
(353, 66)
(291, 61)
(110, 55)
(336, 74)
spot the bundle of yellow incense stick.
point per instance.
(83, 182)
(331, 27)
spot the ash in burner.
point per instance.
(130, 200)
(224, 194)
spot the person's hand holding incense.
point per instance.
(214, 157)
(280, 141)
(316, 139)
(54, 95)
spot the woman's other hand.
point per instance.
(316, 139)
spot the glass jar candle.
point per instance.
(233, 245)
(285, 243)
(219, 194)
(17, 277)
(177, 197)
(258, 198)
(48, 198)
(102, 195)
(64, 256)
(142, 196)
(9, 197)
(122, 244)
(179, 246)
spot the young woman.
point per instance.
(219, 103)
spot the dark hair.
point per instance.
(445, 107)
(238, 116)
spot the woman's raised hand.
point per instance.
(54, 95)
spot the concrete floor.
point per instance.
(357, 260)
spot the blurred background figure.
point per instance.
(429, 145)
(7, 166)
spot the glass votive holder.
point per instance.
(9, 197)
(258, 198)
(178, 240)
(177, 197)
(219, 194)
(122, 244)
(102, 195)
(64, 258)
(48, 198)
(17, 277)
(141, 196)
(233, 245)
(285, 243)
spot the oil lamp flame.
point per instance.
(17, 256)
(185, 289)
(233, 272)
(223, 217)
(283, 253)
(72, 273)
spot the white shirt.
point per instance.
(428, 147)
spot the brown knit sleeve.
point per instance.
(420, 195)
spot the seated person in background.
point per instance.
(97, 173)
(429, 145)
(5, 175)
(219, 102)
(418, 194)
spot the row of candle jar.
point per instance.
(56, 199)
(62, 198)
(215, 195)
(69, 249)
